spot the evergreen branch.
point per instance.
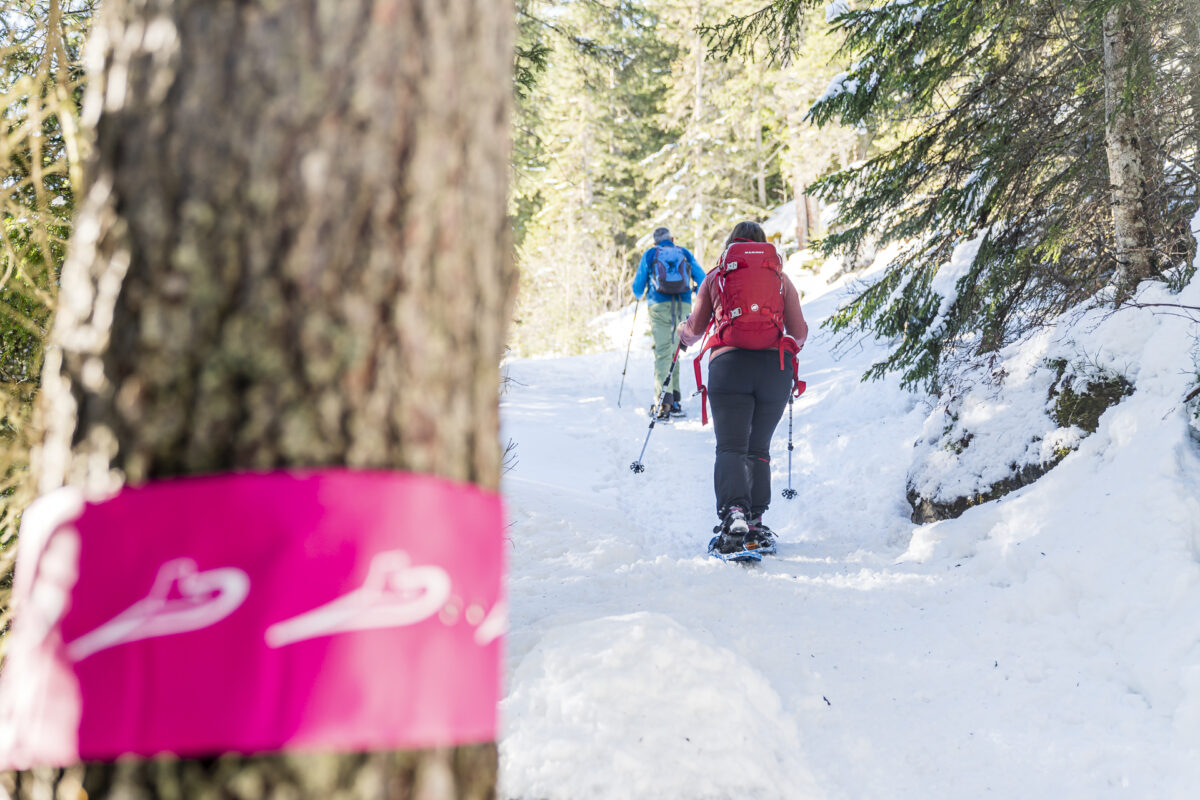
(781, 23)
(531, 61)
(583, 44)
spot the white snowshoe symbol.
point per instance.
(182, 599)
(393, 595)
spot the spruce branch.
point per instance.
(782, 24)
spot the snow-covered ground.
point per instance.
(1046, 645)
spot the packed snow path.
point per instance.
(997, 655)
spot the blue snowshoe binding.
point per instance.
(732, 551)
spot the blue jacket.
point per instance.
(641, 281)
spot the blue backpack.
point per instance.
(670, 272)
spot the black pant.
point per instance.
(747, 391)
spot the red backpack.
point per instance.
(748, 310)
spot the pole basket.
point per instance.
(789, 493)
(637, 466)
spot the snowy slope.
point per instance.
(1043, 646)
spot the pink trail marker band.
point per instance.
(328, 610)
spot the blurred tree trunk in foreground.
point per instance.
(293, 252)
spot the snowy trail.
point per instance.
(849, 666)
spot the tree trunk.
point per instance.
(760, 150)
(862, 142)
(1125, 142)
(293, 252)
(698, 237)
(812, 213)
(801, 210)
(760, 171)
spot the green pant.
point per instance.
(664, 317)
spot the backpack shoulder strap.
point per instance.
(705, 345)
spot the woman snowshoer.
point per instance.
(747, 388)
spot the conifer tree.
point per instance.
(592, 120)
(1002, 165)
(635, 124)
(722, 165)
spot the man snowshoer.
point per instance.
(668, 274)
(751, 374)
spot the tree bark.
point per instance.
(800, 184)
(801, 222)
(812, 213)
(1125, 143)
(760, 149)
(760, 170)
(293, 252)
(698, 238)
(862, 142)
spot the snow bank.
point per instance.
(984, 433)
(653, 696)
(1103, 552)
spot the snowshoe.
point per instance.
(676, 411)
(728, 548)
(730, 543)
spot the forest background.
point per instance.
(1058, 142)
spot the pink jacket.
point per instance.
(692, 329)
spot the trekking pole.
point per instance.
(627, 349)
(638, 466)
(789, 492)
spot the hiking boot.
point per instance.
(676, 409)
(757, 526)
(731, 533)
(733, 521)
(760, 537)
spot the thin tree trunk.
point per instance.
(801, 209)
(697, 118)
(1125, 136)
(761, 166)
(759, 149)
(293, 252)
(862, 142)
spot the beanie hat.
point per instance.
(661, 234)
